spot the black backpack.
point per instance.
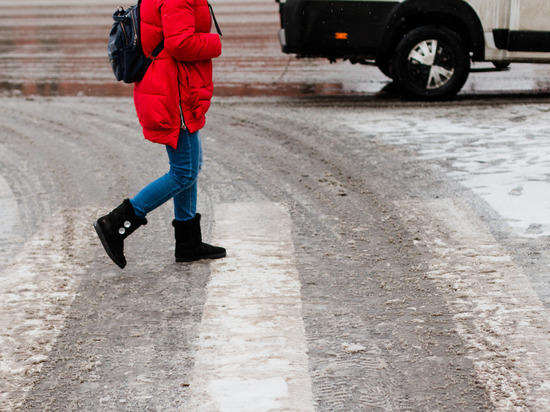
(127, 59)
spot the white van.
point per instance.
(425, 46)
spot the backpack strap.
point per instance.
(157, 50)
(214, 18)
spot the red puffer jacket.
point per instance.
(177, 87)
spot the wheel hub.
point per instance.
(430, 64)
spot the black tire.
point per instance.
(384, 66)
(430, 63)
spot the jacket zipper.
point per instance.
(183, 126)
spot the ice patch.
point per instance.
(248, 395)
(353, 347)
(501, 153)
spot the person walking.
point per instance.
(171, 102)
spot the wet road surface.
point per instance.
(59, 48)
(384, 279)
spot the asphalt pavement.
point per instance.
(382, 255)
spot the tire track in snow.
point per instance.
(496, 310)
(10, 218)
(38, 285)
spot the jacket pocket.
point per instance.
(197, 86)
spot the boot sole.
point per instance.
(195, 258)
(106, 246)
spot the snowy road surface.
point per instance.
(502, 153)
(365, 270)
(382, 255)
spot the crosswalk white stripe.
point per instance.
(251, 353)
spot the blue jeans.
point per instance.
(180, 183)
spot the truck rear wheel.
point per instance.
(384, 66)
(430, 63)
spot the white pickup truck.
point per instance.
(425, 46)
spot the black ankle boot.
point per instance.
(189, 246)
(113, 228)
